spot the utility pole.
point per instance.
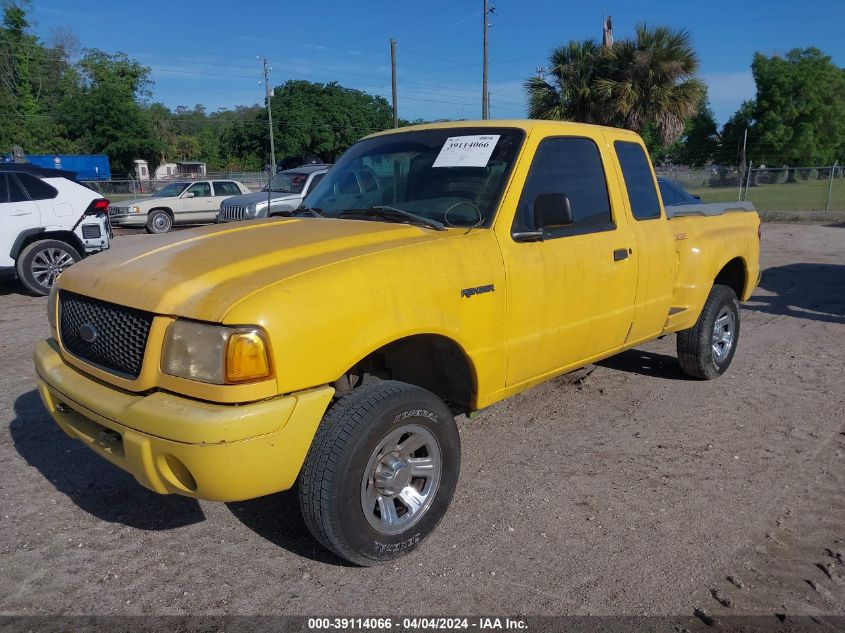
(485, 109)
(741, 171)
(268, 93)
(393, 79)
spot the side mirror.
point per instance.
(552, 210)
(189, 194)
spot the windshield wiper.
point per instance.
(317, 213)
(395, 215)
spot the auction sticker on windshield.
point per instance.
(466, 151)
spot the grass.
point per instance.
(808, 195)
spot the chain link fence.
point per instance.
(768, 188)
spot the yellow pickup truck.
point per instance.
(435, 270)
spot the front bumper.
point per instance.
(129, 219)
(216, 452)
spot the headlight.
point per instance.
(215, 354)
(134, 209)
(254, 208)
(53, 306)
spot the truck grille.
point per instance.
(109, 336)
(233, 213)
(90, 231)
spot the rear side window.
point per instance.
(226, 189)
(638, 180)
(573, 167)
(37, 188)
(14, 192)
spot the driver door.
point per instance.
(570, 294)
(198, 207)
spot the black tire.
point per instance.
(697, 345)
(332, 484)
(41, 262)
(159, 221)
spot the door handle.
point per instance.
(621, 253)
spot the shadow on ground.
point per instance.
(12, 287)
(803, 291)
(108, 493)
(277, 518)
(89, 481)
(652, 364)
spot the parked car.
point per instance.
(281, 196)
(48, 221)
(181, 202)
(488, 257)
(674, 195)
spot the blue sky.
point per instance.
(205, 52)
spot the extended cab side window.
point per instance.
(570, 166)
(639, 182)
(37, 189)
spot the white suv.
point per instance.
(48, 221)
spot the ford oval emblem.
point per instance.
(88, 333)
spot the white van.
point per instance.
(48, 221)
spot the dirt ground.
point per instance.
(631, 491)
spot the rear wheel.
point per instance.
(706, 350)
(40, 264)
(381, 472)
(159, 221)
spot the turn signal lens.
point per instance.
(246, 357)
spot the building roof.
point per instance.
(189, 162)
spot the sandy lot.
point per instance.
(631, 491)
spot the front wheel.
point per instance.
(40, 264)
(381, 472)
(706, 350)
(159, 221)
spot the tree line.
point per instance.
(100, 103)
(648, 83)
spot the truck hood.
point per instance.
(201, 273)
(259, 196)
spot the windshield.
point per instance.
(288, 182)
(451, 175)
(171, 190)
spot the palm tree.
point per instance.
(633, 83)
(570, 94)
(651, 81)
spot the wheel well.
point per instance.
(165, 209)
(27, 238)
(429, 361)
(733, 276)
